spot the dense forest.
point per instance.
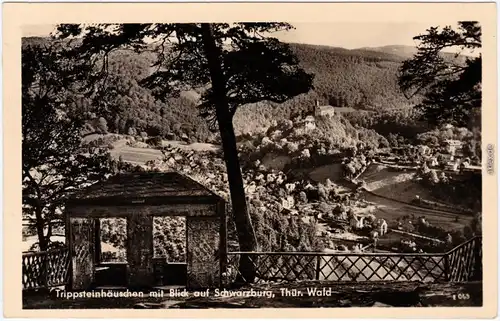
(362, 79)
(353, 78)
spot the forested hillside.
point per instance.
(353, 78)
(362, 79)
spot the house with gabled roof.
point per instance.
(323, 110)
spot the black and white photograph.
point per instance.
(211, 165)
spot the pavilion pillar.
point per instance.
(81, 236)
(203, 252)
(140, 250)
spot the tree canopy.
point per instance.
(54, 165)
(361, 79)
(451, 87)
(230, 64)
(256, 67)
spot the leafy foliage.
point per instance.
(132, 107)
(255, 67)
(396, 125)
(233, 64)
(465, 192)
(362, 79)
(342, 78)
(353, 78)
(53, 164)
(302, 148)
(169, 239)
(451, 88)
(113, 233)
(277, 232)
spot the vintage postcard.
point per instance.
(319, 160)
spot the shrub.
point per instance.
(155, 141)
(322, 192)
(302, 197)
(132, 131)
(101, 126)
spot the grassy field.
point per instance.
(334, 172)
(392, 189)
(391, 210)
(137, 155)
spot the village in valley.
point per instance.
(346, 182)
(347, 218)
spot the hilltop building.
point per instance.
(323, 110)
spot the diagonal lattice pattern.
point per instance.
(45, 269)
(461, 264)
(33, 276)
(58, 265)
(346, 267)
(462, 261)
(286, 267)
(203, 252)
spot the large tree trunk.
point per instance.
(42, 239)
(246, 234)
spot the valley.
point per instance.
(326, 164)
(388, 192)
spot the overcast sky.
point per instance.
(340, 34)
(351, 35)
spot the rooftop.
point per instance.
(453, 142)
(142, 186)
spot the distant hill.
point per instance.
(362, 79)
(400, 50)
(407, 52)
(359, 79)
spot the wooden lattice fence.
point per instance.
(465, 261)
(277, 266)
(45, 269)
(461, 264)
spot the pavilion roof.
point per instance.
(141, 186)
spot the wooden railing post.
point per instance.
(478, 262)
(318, 266)
(447, 273)
(45, 270)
